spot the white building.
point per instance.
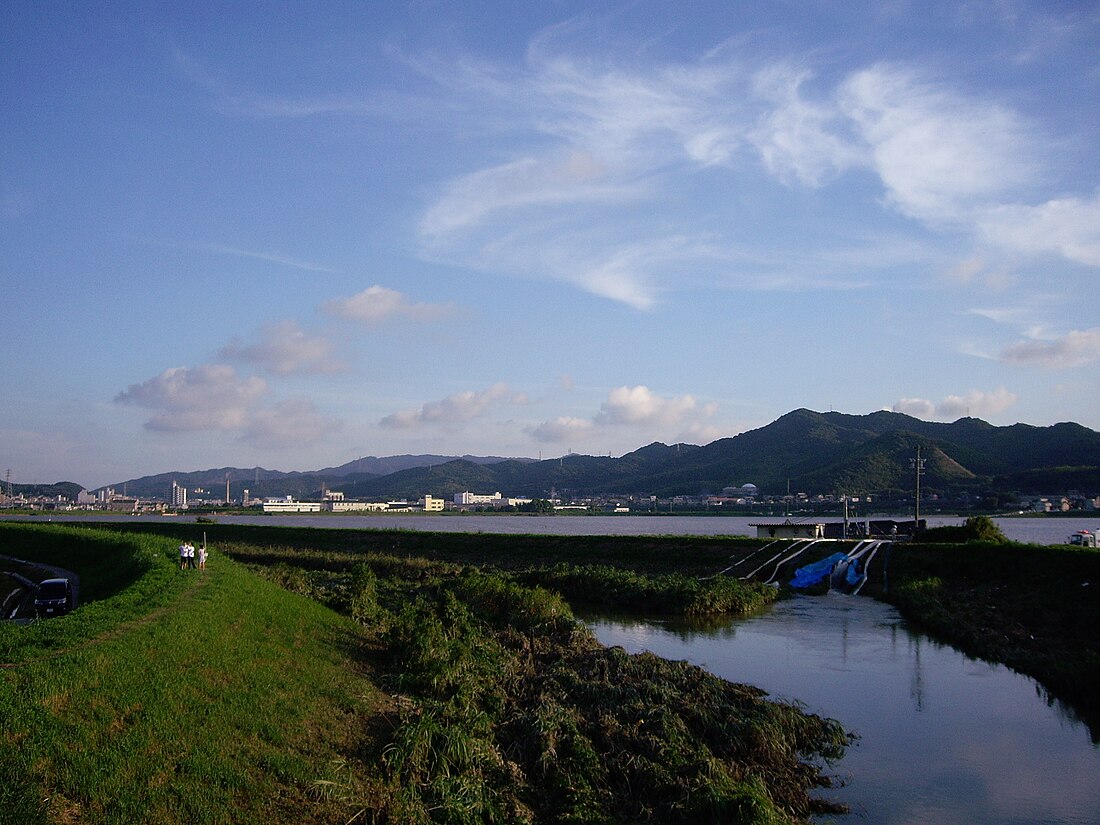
(289, 505)
(337, 506)
(468, 499)
(179, 495)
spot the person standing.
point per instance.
(202, 556)
(183, 556)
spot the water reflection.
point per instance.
(943, 737)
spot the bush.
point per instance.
(976, 528)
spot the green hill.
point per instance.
(815, 452)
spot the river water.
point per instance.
(943, 738)
(1029, 530)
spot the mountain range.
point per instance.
(803, 451)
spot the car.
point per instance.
(54, 598)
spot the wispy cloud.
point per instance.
(285, 349)
(618, 147)
(272, 257)
(235, 98)
(1074, 349)
(376, 304)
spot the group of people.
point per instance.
(189, 553)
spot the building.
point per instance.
(179, 496)
(339, 506)
(431, 505)
(468, 499)
(289, 505)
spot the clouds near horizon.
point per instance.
(975, 403)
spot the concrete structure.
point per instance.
(788, 530)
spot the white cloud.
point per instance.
(1075, 349)
(376, 304)
(1069, 227)
(916, 407)
(285, 349)
(207, 397)
(637, 408)
(454, 409)
(291, 423)
(938, 153)
(974, 403)
(800, 140)
(470, 199)
(562, 429)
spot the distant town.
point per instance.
(178, 499)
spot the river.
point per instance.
(1035, 530)
(943, 738)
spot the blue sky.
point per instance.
(290, 235)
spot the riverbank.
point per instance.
(1035, 609)
(436, 691)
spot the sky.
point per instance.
(290, 235)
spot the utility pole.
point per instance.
(918, 470)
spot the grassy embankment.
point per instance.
(218, 697)
(168, 696)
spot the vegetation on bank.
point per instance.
(975, 528)
(1035, 609)
(446, 694)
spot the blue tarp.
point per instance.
(811, 574)
(854, 576)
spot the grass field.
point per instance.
(404, 689)
(172, 696)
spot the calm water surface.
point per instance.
(943, 738)
(1030, 530)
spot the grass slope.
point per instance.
(218, 697)
(170, 696)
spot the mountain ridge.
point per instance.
(827, 453)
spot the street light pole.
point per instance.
(918, 469)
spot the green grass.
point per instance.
(169, 696)
(405, 690)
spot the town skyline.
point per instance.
(236, 237)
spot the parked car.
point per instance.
(54, 598)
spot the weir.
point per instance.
(846, 572)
